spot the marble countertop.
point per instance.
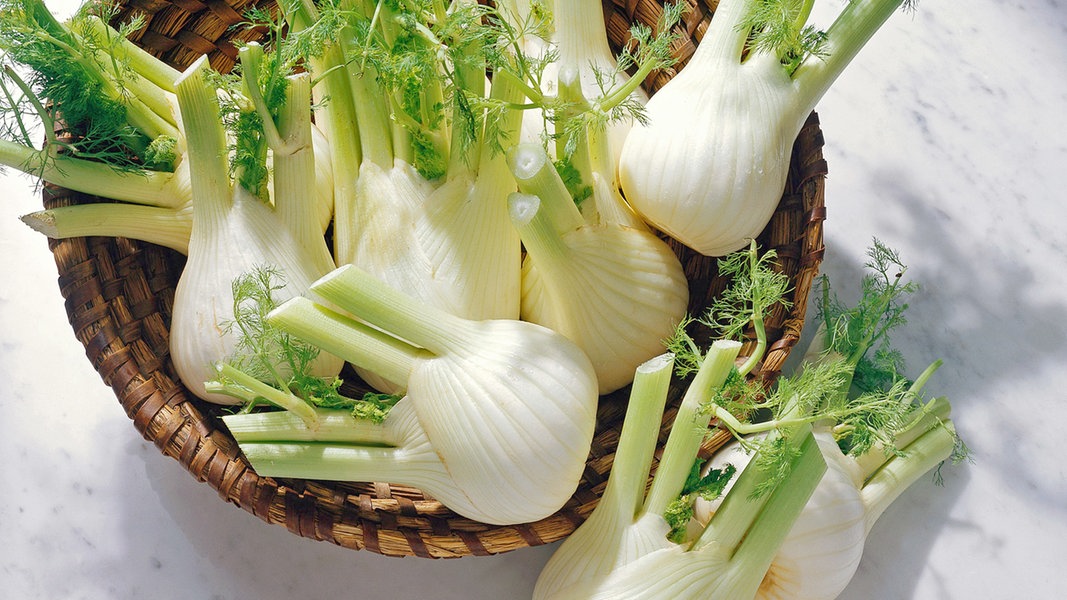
(946, 139)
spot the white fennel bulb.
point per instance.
(420, 182)
(820, 554)
(235, 232)
(710, 165)
(822, 551)
(622, 551)
(793, 523)
(597, 274)
(508, 406)
(614, 288)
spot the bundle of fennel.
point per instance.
(447, 197)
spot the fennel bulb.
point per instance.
(710, 165)
(873, 428)
(823, 549)
(582, 41)
(613, 288)
(235, 231)
(870, 433)
(507, 407)
(420, 182)
(622, 551)
(597, 274)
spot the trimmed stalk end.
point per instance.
(522, 208)
(526, 160)
(43, 222)
(656, 364)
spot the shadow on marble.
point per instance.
(901, 542)
(988, 315)
(241, 556)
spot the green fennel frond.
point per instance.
(680, 512)
(262, 350)
(62, 71)
(879, 369)
(744, 398)
(852, 331)
(773, 459)
(311, 39)
(687, 353)
(650, 49)
(755, 288)
(873, 419)
(814, 391)
(572, 179)
(269, 355)
(779, 27)
(161, 153)
(538, 23)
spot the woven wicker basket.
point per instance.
(119, 295)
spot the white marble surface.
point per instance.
(946, 138)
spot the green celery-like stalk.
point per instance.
(346, 338)
(536, 176)
(625, 489)
(845, 37)
(752, 528)
(336, 114)
(469, 79)
(368, 101)
(162, 226)
(147, 89)
(294, 171)
(140, 114)
(252, 388)
(611, 536)
(337, 446)
(153, 188)
(137, 58)
(533, 220)
(573, 100)
(288, 136)
(344, 462)
(901, 470)
(690, 426)
(361, 294)
(330, 425)
(207, 147)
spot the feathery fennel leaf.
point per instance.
(272, 356)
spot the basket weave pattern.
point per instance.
(119, 295)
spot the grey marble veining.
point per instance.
(946, 138)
